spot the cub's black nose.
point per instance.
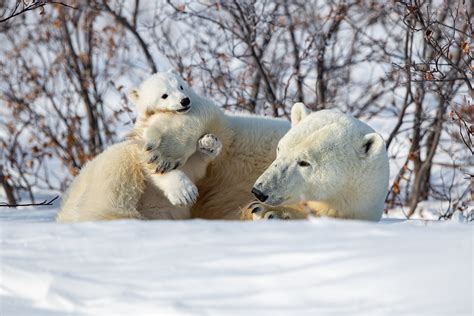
(185, 102)
(259, 195)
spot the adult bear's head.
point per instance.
(326, 156)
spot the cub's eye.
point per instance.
(164, 96)
(303, 163)
(181, 87)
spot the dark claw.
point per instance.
(271, 216)
(153, 159)
(162, 168)
(149, 148)
(255, 209)
(176, 165)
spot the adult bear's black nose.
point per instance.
(259, 194)
(185, 101)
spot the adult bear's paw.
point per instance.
(259, 211)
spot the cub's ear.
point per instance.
(133, 95)
(298, 112)
(372, 144)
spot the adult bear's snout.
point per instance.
(259, 194)
(185, 101)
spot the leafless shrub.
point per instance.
(437, 70)
(58, 70)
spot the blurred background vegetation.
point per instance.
(405, 67)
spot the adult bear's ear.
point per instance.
(298, 112)
(133, 95)
(372, 144)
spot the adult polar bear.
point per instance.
(117, 184)
(333, 162)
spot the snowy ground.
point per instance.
(220, 268)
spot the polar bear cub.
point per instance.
(162, 94)
(330, 164)
(122, 182)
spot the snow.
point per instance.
(199, 267)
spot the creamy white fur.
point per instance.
(249, 144)
(119, 182)
(176, 185)
(332, 159)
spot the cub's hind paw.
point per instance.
(210, 145)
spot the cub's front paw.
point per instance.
(152, 150)
(157, 149)
(209, 144)
(166, 165)
(177, 187)
(160, 163)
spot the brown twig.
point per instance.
(25, 7)
(43, 203)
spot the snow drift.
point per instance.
(218, 268)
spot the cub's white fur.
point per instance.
(176, 185)
(120, 184)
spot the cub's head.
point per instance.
(323, 154)
(162, 92)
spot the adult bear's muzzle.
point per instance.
(262, 197)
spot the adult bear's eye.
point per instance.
(181, 87)
(164, 96)
(303, 163)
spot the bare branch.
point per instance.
(22, 6)
(43, 203)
